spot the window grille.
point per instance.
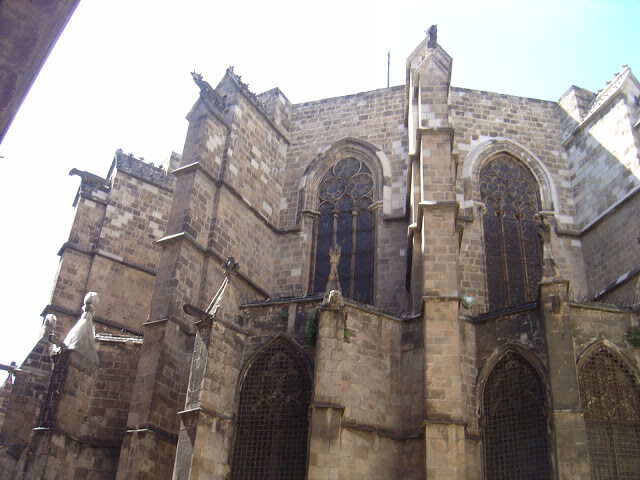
(271, 433)
(512, 246)
(610, 397)
(515, 429)
(345, 195)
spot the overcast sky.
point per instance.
(119, 78)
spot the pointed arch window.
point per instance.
(515, 424)
(345, 195)
(512, 246)
(271, 432)
(610, 396)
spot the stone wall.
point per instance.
(93, 403)
(136, 216)
(479, 117)
(592, 323)
(75, 256)
(29, 32)
(222, 351)
(241, 232)
(376, 117)
(369, 397)
(55, 456)
(611, 250)
(486, 123)
(22, 403)
(603, 152)
(86, 418)
(255, 156)
(111, 247)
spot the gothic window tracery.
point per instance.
(512, 246)
(610, 397)
(271, 432)
(345, 195)
(515, 424)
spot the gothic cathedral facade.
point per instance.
(417, 282)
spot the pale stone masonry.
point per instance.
(401, 387)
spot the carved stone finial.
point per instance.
(333, 295)
(333, 282)
(549, 270)
(433, 36)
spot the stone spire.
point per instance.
(333, 293)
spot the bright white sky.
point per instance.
(119, 78)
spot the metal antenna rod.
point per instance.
(388, 66)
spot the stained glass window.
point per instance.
(610, 396)
(345, 195)
(512, 246)
(515, 430)
(271, 434)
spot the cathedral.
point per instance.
(416, 282)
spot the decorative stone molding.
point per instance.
(327, 156)
(484, 151)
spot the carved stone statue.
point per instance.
(82, 337)
(549, 270)
(49, 332)
(48, 325)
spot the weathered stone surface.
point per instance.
(398, 385)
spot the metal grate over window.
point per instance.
(346, 193)
(610, 397)
(515, 428)
(271, 434)
(512, 246)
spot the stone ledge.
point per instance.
(505, 312)
(210, 413)
(208, 252)
(163, 435)
(185, 328)
(394, 434)
(105, 254)
(85, 442)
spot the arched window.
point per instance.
(610, 396)
(345, 195)
(271, 433)
(512, 246)
(515, 423)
